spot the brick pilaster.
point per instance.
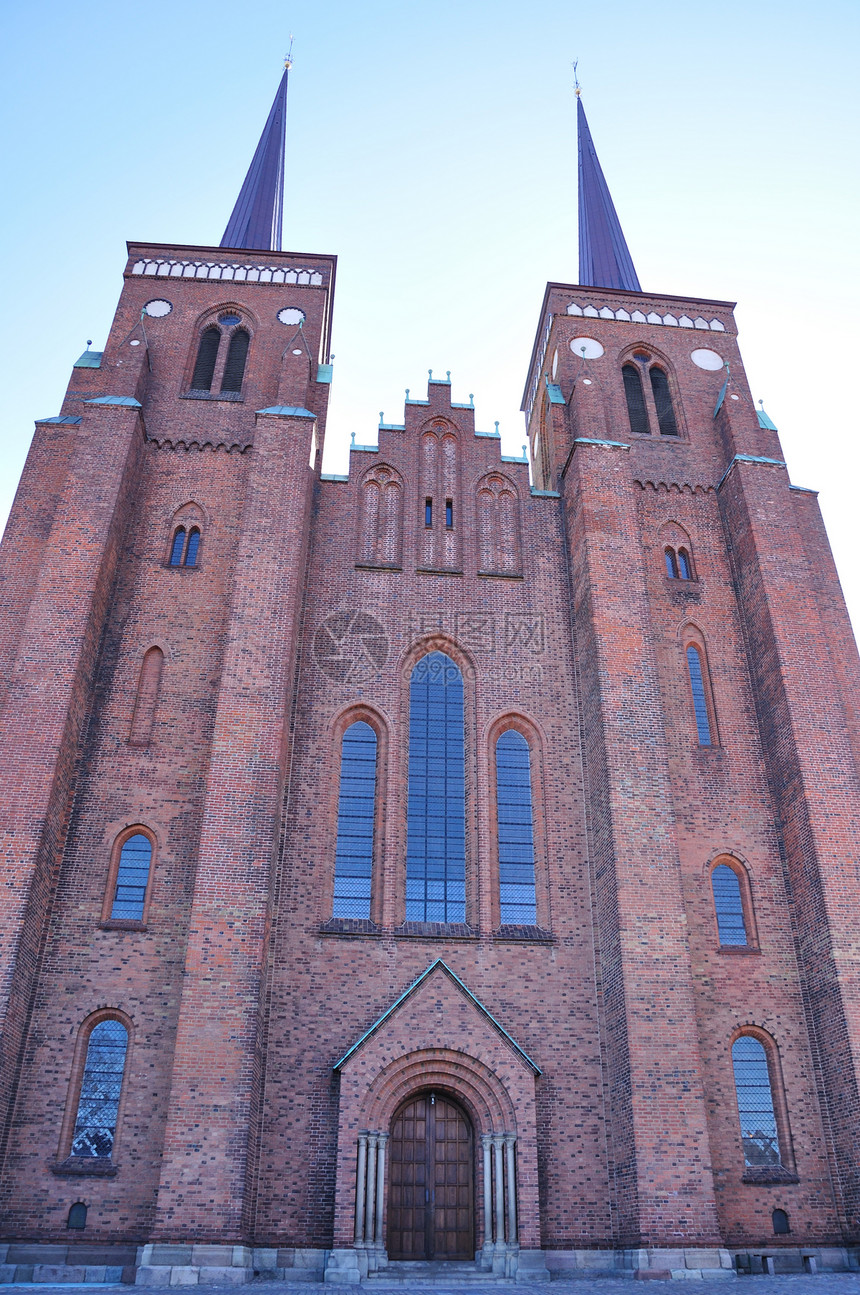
(211, 1129)
(807, 739)
(659, 1145)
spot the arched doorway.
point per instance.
(431, 1180)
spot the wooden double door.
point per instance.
(431, 1181)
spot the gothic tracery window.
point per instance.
(436, 819)
(699, 691)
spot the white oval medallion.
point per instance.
(291, 315)
(587, 347)
(707, 359)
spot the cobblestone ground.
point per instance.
(822, 1284)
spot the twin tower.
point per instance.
(455, 860)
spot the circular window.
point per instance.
(229, 319)
(586, 347)
(291, 315)
(157, 309)
(707, 359)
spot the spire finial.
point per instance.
(288, 57)
(257, 216)
(576, 86)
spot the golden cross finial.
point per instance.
(288, 58)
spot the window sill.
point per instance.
(733, 949)
(675, 582)
(233, 396)
(84, 1167)
(520, 933)
(377, 566)
(769, 1174)
(349, 926)
(121, 924)
(170, 567)
(438, 571)
(501, 575)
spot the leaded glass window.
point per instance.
(671, 564)
(755, 1102)
(436, 838)
(95, 1126)
(517, 901)
(193, 546)
(684, 565)
(132, 878)
(729, 905)
(356, 806)
(700, 704)
(178, 548)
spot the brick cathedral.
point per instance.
(451, 862)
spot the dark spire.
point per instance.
(257, 216)
(604, 259)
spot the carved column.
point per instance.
(372, 1142)
(487, 1144)
(511, 1179)
(380, 1189)
(499, 1191)
(360, 1179)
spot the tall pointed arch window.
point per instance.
(356, 808)
(695, 666)
(517, 901)
(237, 354)
(207, 354)
(98, 1103)
(759, 1133)
(636, 408)
(436, 833)
(663, 401)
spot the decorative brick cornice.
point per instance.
(231, 271)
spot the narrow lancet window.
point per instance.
(729, 906)
(636, 409)
(436, 836)
(132, 878)
(428, 512)
(193, 546)
(671, 563)
(755, 1102)
(178, 547)
(684, 569)
(98, 1104)
(237, 354)
(663, 402)
(700, 703)
(449, 514)
(207, 354)
(517, 902)
(356, 807)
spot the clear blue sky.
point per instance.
(432, 148)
